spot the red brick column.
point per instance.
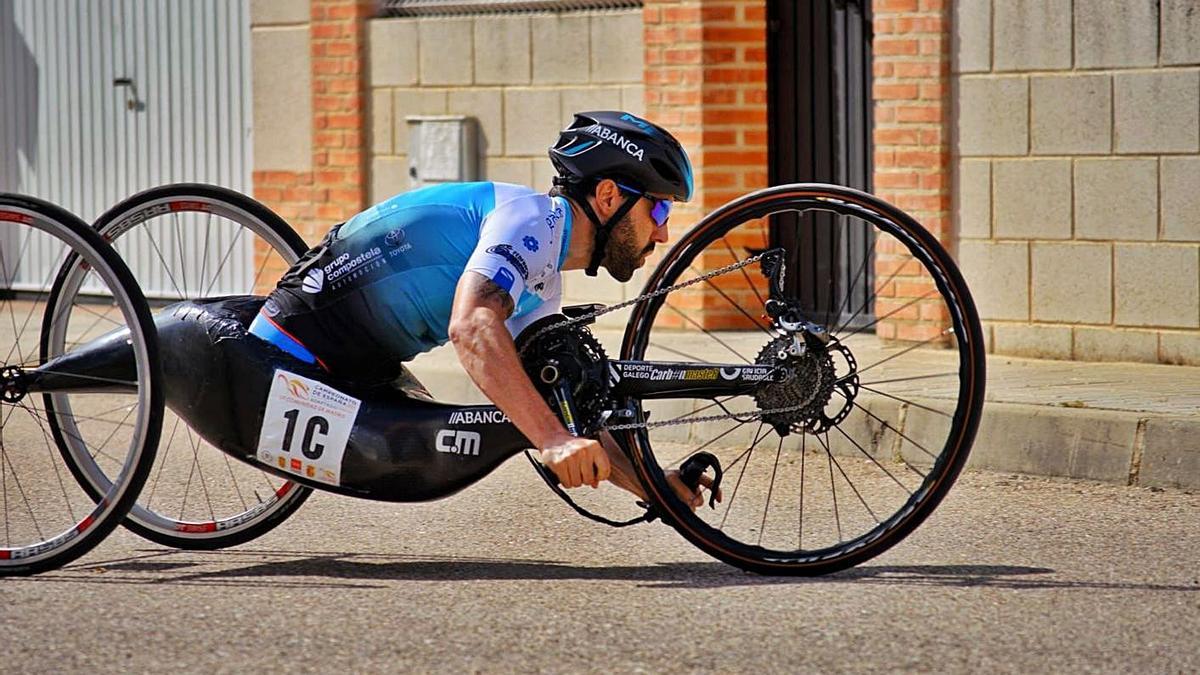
(335, 189)
(912, 152)
(706, 82)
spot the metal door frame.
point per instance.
(819, 130)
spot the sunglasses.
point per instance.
(661, 209)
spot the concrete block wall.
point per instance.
(1076, 163)
(520, 75)
(308, 112)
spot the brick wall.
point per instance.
(912, 154)
(1078, 157)
(328, 185)
(706, 82)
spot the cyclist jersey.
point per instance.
(378, 289)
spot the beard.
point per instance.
(622, 255)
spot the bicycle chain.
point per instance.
(653, 294)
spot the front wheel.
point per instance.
(883, 392)
(117, 403)
(188, 241)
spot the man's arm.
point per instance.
(487, 353)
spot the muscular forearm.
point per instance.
(487, 353)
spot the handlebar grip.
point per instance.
(691, 471)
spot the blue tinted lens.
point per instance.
(661, 211)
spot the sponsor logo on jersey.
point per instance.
(504, 279)
(615, 137)
(477, 417)
(531, 244)
(397, 241)
(344, 268)
(510, 254)
(553, 217)
(314, 281)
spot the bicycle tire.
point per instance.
(90, 253)
(138, 213)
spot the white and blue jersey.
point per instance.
(378, 289)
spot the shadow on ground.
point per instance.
(308, 569)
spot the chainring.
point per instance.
(571, 353)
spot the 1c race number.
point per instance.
(306, 426)
(316, 426)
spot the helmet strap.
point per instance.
(604, 231)
(577, 191)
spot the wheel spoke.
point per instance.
(908, 379)
(706, 445)
(762, 302)
(53, 460)
(162, 463)
(677, 352)
(770, 490)
(800, 511)
(874, 461)
(224, 259)
(195, 443)
(904, 400)
(906, 350)
(704, 330)
(887, 425)
(733, 304)
(749, 450)
(833, 487)
(166, 267)
(847, 479)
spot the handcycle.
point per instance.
(858, 460)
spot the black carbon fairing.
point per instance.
(218, 378)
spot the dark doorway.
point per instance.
(819, 131)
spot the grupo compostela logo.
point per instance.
(296, 387)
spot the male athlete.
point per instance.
(474, 264)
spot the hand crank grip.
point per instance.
(695, 466)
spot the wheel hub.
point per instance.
(13, 384)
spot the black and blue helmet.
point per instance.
(615, 144)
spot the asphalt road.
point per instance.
(1012, 574)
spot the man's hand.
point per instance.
(577, 461)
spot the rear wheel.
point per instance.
(871, 426)
(195, 241)
(116, 411)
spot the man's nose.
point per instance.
(660, 234)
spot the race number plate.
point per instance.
(306, 427)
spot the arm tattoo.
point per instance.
(487, 291)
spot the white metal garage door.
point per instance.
(99, 100)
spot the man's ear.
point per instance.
(608, 197)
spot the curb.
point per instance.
(1112, 446)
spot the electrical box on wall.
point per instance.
(442, 149)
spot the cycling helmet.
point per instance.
(621, 146)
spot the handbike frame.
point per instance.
(400, 448)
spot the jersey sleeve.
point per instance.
(551, 303)
(517, 250)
